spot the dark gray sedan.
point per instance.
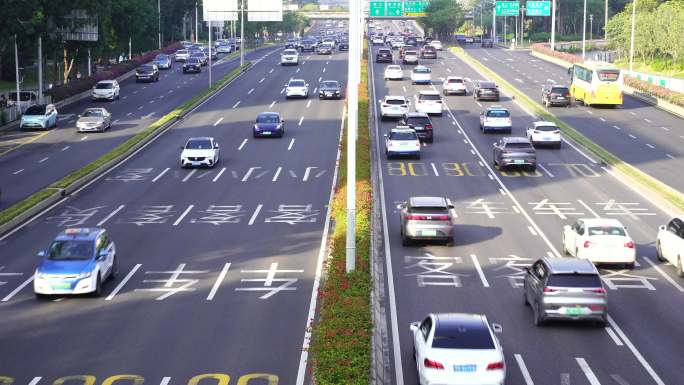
(329, 89)
(515, 151)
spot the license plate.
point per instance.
(518, 161)
(465, 368)
(195, 163)
(576, 311)
(61, 286)
(266, 133)
(561, 98)
(428, 233)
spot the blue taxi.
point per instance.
(78, 261)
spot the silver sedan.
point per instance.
(94, 119)
(427, 218)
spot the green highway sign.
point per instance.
(507, 8)
(398, 8)
(538, 8)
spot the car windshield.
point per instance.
(395, 101)
(393, 68)
(268, 118)
(417, 120)
(428, 97)
(92, 113)
(462, 337)
(547, 128)
(70, 250)
(423, 70)
(35, 110)
(192, 60)
(574, 280)
(104, 86)
(403, 135)
(411, 53)
(498, 114)
(160, 57)
(146, 68)
(429, 210)
(607, 230)
(455, 80)
(330, 84)
(198, 144)
(289, 52)
(297, 83)
(608, 75)
(487, 85)
(518, 145)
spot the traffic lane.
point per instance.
(42, 162)
(645, 141)
(481, 241)
(551, 209)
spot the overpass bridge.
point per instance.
(325, 15)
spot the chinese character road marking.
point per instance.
(269, 280)
(559, 209)
(174, 279)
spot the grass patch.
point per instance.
(25, 204)
(659, 66)
(664, 191)
(341, 343)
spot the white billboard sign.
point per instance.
(220, 10)
(265, 10)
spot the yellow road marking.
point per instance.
(34, 138)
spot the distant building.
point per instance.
(333, 3)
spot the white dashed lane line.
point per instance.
(218, 121)
(66, 148)
(291, 144)
(250, 91)
(272, 104)
(84, 138)
(242, 144)
(236, 104)
(262, 80)
(632, 136)
(43, 160)
(18, 172)
(669, 156)
(650, 145)
(301, 119)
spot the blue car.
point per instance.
(78, 261)
(41, 116)
(162, 61)
(269, 124)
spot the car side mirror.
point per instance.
(497, 328)
(102, 254)
(414, 326)
(566, 227)
(526, 269)
(216, 145)
(282, 121)
(451, 207)
(182, 147)
(41, 254)
(661, 227)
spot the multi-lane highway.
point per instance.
(506, 220)
(32, 160)
(642, 135)
(217, 268)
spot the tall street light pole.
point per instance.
(553, 25)
(631, 39)
(242, 33)
(352, 126)
(605, 22)
(591, 27)
(584, 30)
(159, 14)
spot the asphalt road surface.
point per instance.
(216, 267)
(506, 220)
(31, 160)
(646, 137)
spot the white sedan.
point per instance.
(402, 141)
(670, 243)
(454, 85)
(200, 151)
(600, 240)
(457, 348)
(437, 44)
(544, 133)
(394, 72)
(421, 74)
(393, 107)
(296, 88)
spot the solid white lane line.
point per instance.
(589, 112)
(123, 282)
(272, 104)
(531, 230)
(129, 114)
(249, 173)
(186, 212)
(502, 192)
(301, 119)
(633, 113)
(44, 159)
(669, 156)
(236, 104)
(271, 71)
(647, 120)
(275, 177)
(636, 352)
(254, 216)
(291, 144)
(650, 145)
(250, 91)
(18, 289)
(602, 119)
(480, 272)
(218, 282)
(665, 128)
(219, 175)
(586, 206)
(587, 371)
(667, 277)
(191, 173)
(242, 144)
(218, 121)
(18, 172)
(434, 168)
(545, 170)
(84, 138)
(156, 178)
(323, 69)
(315, 90)
(523, 369)
(108, 217)
(320, 78)
(613, 336)
(66, 148)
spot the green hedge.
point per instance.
(341, 342)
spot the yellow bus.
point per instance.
(596, 83)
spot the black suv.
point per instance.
(487, 43)
(383, 55)
(428, 52)
(147, 72)
(555, 95)
(486, 91)
(344, 45)
(421, 123)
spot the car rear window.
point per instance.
(606, 230)
(289, 52)
(498, 114)
(146, 68)
(417, 120)
(608, 75)
(518, 145)
(407, 135)
(193, 60)
(297, 83)
(395, 101)
(104, 86)
(428, 97)
(430, 210)
(487, 85)
(547, 128)
(574, 280)
(35, 110)
(560, 90)
(455, 81)
(411, 53)
(423, 70)
(462, 337)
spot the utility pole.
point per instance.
(130, 48)
(494, 28)
(584, 30)
(631, 39)
(553, 25)
(242, 33)
(352, 127)
(196, 23)
(16, 73)
(591, 27)
(522, 26)
(40, 68)
(209, 23)
(159, 18)
(605, 22)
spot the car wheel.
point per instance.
(680, 269)
(405, 241)
(525, 300)
(538, 317)
(602, 323)
(112, 274)
(533, 168)
(629, 265)
(98, 286)
(659, 252)
(565, 248)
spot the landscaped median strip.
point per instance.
(341, 342)
(24, 209)
(663, 191)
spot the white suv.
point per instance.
(105, 89)
(289, 57)
(296, 88)
(670, 244)
(454, 85)
(394, 72)
(421, 74)
(544, 133)
(429, 102)
(394, 107)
